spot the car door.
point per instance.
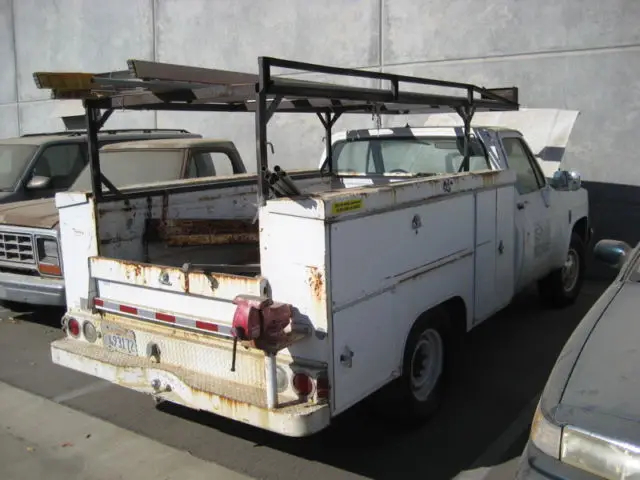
(533, 222)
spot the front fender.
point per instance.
(572, 214)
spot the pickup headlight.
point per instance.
(48, 256)
(604, 457)
(545, 435)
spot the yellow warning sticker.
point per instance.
(346, 206)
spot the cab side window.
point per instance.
(528, 177)
(61, 163)
(209, 164)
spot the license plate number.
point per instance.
(118, 339)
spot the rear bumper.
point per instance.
(32, 290)
(194, 390)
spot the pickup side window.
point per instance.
(528, 176)
(61, 163)
(209, 164)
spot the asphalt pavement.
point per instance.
(477, 434)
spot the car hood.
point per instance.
(606, 376)
(41, 213)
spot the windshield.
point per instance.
(425, 155)
(13, 160)
(132, 167)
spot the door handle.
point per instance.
(521, 205)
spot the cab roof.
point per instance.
(81, 136)
(166, 143)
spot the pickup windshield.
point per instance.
(132, 167)
(13, 161)
(424, 155)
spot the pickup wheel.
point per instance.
(426, 362)
(562, 286)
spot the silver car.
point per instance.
(587, 424)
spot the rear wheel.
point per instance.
(562, 286)
(425, 367)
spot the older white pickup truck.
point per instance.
(284, 312)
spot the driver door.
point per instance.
(534, 225)
(61, 164)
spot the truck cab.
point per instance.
(549, 210)
(31, 269)
(38, 165)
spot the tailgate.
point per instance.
(191, 299)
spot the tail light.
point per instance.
(89, 331)
(302, 384)
(73, 326)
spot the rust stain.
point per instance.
(316, 282)
(185, 283)
(195, 281)
(489, 178)
(165, 206)
(183, 232)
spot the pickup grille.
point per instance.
(16, 247)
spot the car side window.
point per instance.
(61, 163)
(208, 164)
(527, 178)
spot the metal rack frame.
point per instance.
(160, 86)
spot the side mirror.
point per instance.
(566, 180)
(38, 182)
(612, 252)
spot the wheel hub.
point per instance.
(570, 270)
(426, 364)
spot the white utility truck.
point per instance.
(337, 281)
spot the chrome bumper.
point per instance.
(32, 290)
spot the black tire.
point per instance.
(554, 291)
(413, 407)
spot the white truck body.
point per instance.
(358, 257)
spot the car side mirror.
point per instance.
(38, 182)
(611, 252)
(565, 180)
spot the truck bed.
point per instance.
(216, 228)
(227, 246)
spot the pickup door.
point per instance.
(535, 225)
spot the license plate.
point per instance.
(118, 339)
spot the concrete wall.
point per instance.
(575, 54)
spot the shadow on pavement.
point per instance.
(47, 316)
(506, 363)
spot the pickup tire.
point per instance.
(426, 363)
(561, 287)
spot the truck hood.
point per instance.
(546, 130)
(605, 379)
(41, 213)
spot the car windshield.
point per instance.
(424, 155)
(13, 161)
(132, 167)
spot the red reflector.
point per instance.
(164, 317)
(74, 327)
(302, 384)
(212, 327)
(128, 309)
(98, 302)
(322, 386)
